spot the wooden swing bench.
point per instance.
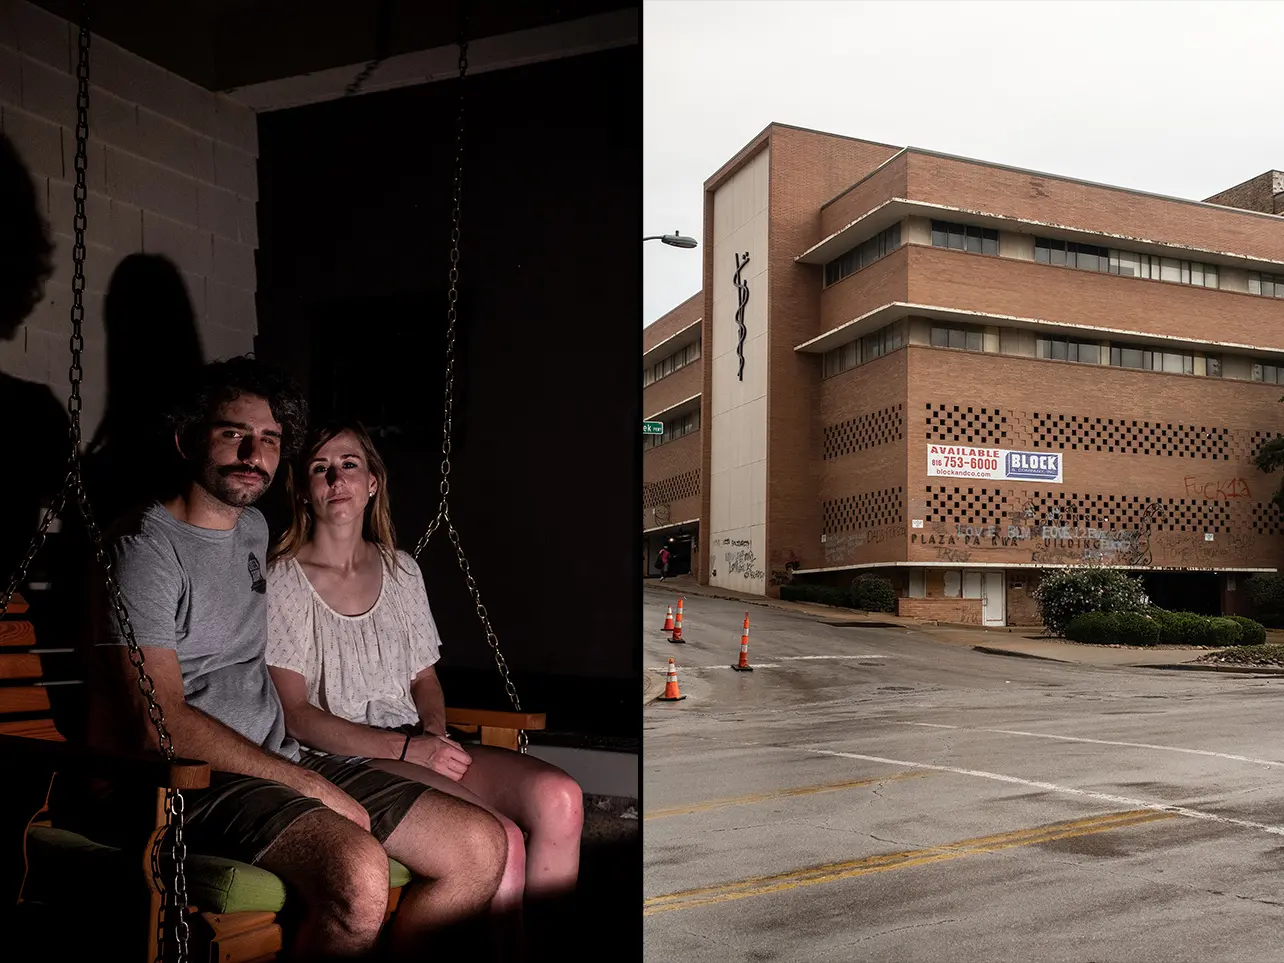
(235, 906)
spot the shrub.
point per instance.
(1094, 628)
(1183, 628)
(1254, 633)
(873, 593)
(1223, 632)
(1064, 593)
(1266, 591)
(1135, 628)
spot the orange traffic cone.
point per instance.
(668, 621)
(671, 693)
(744, 665)
(677, 626)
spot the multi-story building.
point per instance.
(672, 386)
(958, 374)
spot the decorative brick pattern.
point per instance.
(855, 513)
(995, 507)
(671, 489)
(865, 431)
(966, 425)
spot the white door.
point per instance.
(992, 607)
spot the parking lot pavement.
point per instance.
(877, 794)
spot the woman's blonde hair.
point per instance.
(377, 526)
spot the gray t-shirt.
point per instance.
(202, 592)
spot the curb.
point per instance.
(989, 650)
(654, 687)
(1209, 667)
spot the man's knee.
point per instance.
(487, 843)
(355, 890)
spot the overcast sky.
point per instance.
(1178, 98)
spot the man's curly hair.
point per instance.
(220, 382)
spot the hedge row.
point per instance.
(869, 593)
(1159, 627)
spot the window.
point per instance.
(1085, 257)
(1269, 285)
(666, 366)
(1269, 373)
(965, 336)
(863, 350)
(965, 237)
(1172, 362)
(1090, 257)
(1068, 349)
(674, 429)
(878, 246)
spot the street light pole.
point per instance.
(673, 240)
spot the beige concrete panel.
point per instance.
(1232, 279)
(1020, 246)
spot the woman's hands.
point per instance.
(441, 754)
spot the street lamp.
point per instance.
(675, 239)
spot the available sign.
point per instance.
(999, 464)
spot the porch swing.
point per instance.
(199, 907)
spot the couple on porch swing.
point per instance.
(302, 672)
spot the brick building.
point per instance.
(949, 372)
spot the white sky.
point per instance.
(1178, 98)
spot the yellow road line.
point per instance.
(776, 794)
(760, 885)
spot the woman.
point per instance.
(351, 649)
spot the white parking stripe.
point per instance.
(1128, 801)
(1102, 742)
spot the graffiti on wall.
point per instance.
(1218, 489)
(1051, 536)
(734, 556)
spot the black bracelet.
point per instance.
(402, 757)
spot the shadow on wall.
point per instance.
(38, 438)
(153, 350)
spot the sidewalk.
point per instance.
(1008, 640)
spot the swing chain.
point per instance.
(74, 483)
(452, 297)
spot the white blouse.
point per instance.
(358, 667)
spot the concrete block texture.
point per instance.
(39, 142)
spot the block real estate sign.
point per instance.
(996, 464)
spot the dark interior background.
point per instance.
(354, 226)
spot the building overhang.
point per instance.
(890, 211)
(895, 310)
(677, 410)
(679, 339)
(1217, 570)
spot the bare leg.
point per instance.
(341, 873)
(544, 801)
(508, 898)
(457, 849)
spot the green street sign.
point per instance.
(653, 428)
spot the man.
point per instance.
(664, 563)
(191, 573)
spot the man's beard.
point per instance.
(215, 480)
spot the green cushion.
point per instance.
(58, 858)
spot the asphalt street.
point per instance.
(879, 794)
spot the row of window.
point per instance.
(1270, 285)
(679, 359)
(673, 430)
(1091, 257)
(1125, 356)
(966, 336)
(965, 237)
(878, 246)
(862, 350)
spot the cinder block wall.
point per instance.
(172, 170)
